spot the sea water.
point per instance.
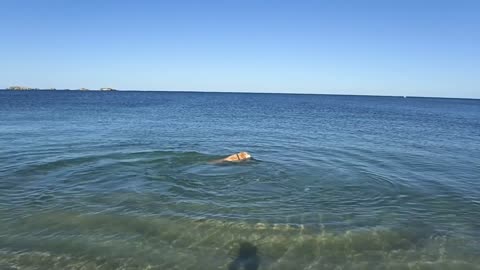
(123, 180)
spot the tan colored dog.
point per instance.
(242, 156)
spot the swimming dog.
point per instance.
(242, 156)
(238, 157)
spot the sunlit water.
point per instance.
(123, 180)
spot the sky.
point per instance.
(366, 47)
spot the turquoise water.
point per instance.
(122, 180)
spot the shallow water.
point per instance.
(122, 180)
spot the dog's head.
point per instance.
(244, 155)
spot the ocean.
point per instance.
(124, 180)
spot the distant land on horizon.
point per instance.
(230, 92)
(27, 88)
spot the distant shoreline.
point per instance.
(26, 88)
(229, 92)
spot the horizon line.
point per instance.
(235, 92)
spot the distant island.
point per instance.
(21, 88)
(26, 88)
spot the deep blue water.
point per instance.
(122, 180)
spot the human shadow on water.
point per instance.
(247, 258)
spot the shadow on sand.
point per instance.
(247, 258)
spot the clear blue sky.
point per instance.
(402, 47)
